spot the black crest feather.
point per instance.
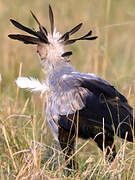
(85, 37)
(67, 54)
(42, 29)
(51, 19)
(41, 35)
(65, 37)
(24, 38)
(24, 28)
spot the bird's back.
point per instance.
(94, 99)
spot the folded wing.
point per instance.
(95, 100)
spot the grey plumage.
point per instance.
(71, 94)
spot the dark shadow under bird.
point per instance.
(76, 104)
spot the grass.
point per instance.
(27, 147)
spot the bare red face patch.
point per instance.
(38, 48)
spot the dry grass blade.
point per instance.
(9, 148)
(71, 157)
(17, 88)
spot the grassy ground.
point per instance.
(27, 148)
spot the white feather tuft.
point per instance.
(31, 84)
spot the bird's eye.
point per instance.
(38, 48)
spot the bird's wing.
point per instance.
(98, 85)
(94, 98)
(73, 90)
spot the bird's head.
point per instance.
(49, 45)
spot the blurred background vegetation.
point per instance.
(111, 56)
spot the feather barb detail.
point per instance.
(31, 84)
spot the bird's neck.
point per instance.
(55, 66)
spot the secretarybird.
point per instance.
(76, 104)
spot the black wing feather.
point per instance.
(98, 88)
